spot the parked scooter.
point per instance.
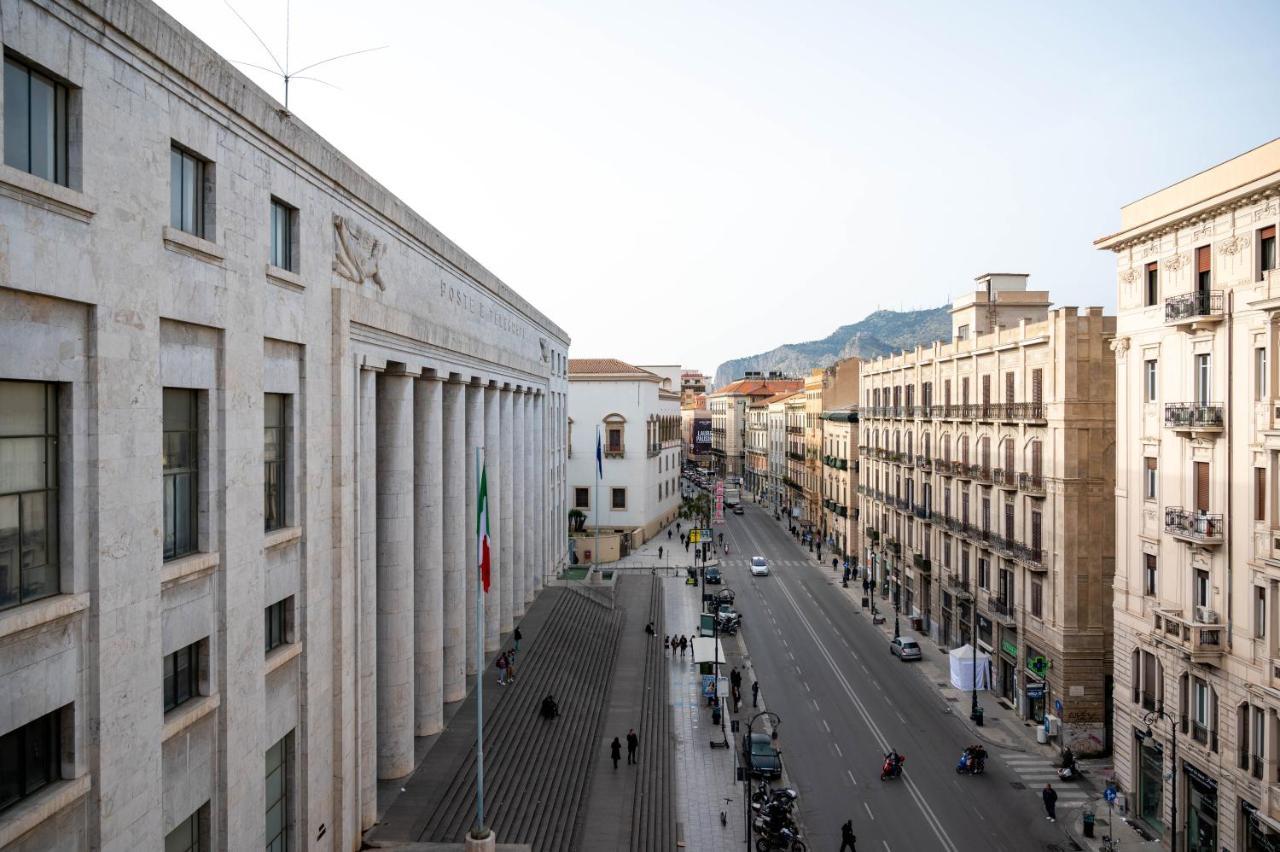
(1070, 770)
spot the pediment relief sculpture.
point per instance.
(357, 254)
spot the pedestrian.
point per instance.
(677, 526)
(615, 752)
(515, 638)
(511, 668)
(847, 837)
(684, 643)
(686, 547)
(755, 693)
(648, 628)
(1050, 797)
(659, 552)
(833, 563)
(668, 534)
(666, 641)
(735, 677)
(633, 743)
(502, 668)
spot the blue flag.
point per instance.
(599, 456)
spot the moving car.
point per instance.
(760, 757)
(737, 510)
(905, 648)
(759, 566)
(711, 575)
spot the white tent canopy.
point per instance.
(965, 674)
(706, 649)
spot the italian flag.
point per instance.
(482, 528)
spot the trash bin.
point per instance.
(977, 717)
(1087, 822)
(917, 624)
(1042, 736)
(866, 601)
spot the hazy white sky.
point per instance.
(693, 181)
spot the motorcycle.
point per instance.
(785, 837)
(972, 762)
(892, 766)
(729, 623)
(1070, 772)
(764, 797)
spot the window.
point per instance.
(1202, 587)
(190, 835)
(1153, 284)
(582, 498)
(1149, 479)
(618, 496)
(962, 333)
(1259, 493)
(181, 474)
(1149, 575)
(181, 676)
(964, 391)
(1204, 379)
(1259, 612)
(1203, 274)
(279, 794)
(35, 123)
(1266, 250)
(28, 492)
(30, 758)
(1202, 486)
(1036, 540)
(1151, 692)
(274, 454)
(1149, 374)
(984, 573)
(1036, 598)
(1257, 740)
(986, 390)
(277, 623)
(615, 439)
(282, 236)
(1204, 713)
(1260, 376)
(189, 185)
(1008, 388)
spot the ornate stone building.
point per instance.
(987, 480)
(242, 388)
(728, 407)
(839, 483)
(1198, 553)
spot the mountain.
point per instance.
(879, 334)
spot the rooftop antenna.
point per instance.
(282, 70)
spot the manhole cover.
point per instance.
(1017, 785)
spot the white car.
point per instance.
(759, 567)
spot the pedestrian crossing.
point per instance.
(1035, 770)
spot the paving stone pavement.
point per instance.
(705, 777)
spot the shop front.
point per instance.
(1008, 673)
(1260, 833)
(944, 630)
(1036, 686)
(1202, 811)
(1150, 781)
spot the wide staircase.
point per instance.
(537, 772)
(652, 815)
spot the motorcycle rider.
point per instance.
(892, 764)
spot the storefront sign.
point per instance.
(1035, 691)
(1037, 664)
(1009, 648)
(1200, 778)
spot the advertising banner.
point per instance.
(701, 435)
(718, 516)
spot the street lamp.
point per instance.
(975, 712)
(1147, 719)
(746, 770)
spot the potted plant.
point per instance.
(577, 520)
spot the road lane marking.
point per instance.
(841, 753)
(828, 727)
(815, 705)
(925, 809)
(807, 688)
(868, 807)
(849, 772)
(902, 719)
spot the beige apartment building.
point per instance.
(1197, 663)
(795, 482)
(986, 481)
(813, 448)
(776, 489)
(839, 481)
(757, 460)
(728, 407)
(695, 429)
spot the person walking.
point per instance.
(633, 743)
(501, 665)
(659, 553)
(684, 643)
(755, 693)
(1050, 797)
(668, 534)
(847, 837)
(515, 639)
(615, 752)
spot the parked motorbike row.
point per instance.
(772, 820)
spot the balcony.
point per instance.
(1193, 417)
(924, 463)
(1196, 527)
(1004, 611)
(1022, 412)
(901, 504)
(655, 449)
(842, 510)
(862, 489)
(794, 456)
(1006, 479)
(1031, 483)
(893, 546)
(873, 534)
(921, 563)
(1203, 641)
(959, 587)
(1193, 309)
(980, 474)
(945, 467)
(920, 511)
(795, 430)
(614, 454)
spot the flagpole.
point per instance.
(479, 831)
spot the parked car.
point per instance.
(711, 575)
(759, 566)
(737, 510)
(760, 757)
(905, 648)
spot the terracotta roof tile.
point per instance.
(760, 387)
(597, 366)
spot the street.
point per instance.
(844, 701)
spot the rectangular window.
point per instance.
(30, 758)
(181, 472)
(187, 191)
(282, 231)
(582, 498)
(190, 835)
(35, 123)
(1153, 284)
(1259, 612)
(1008, 521)
(962, 333)
(1260, 377)
(1149, 576)
(615, 440)
(277, 623)
(1037, 542)
(28, 492)
(619, 497)
(1259, 494)
(1201, 587)
(181, 676)
(946, 392)
(279, 795)
(1037, 385)
(1149, 479)
(1037, 598)
(1204, 379)
(274, 454)
(1266, 250)
(1257, 740)
(1150, 373)
(986, 390)
(1202, 486)
(984, 573)
(1037, 459)
(964, 391)
(1203, 271)
(1008, 388)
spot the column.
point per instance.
(498, 544)
(506, 494)
(367, 590)
(395, 575)
(533, 499)
(519, 551)
(454, 441)
(539, 496)
(428, 558)
(475, 440)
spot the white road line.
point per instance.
(886, 845)
(864, 668)
(841, 753)
(902, 719)
(849, 772)
(868, 807)
(815, 705)
(828, 727)
(925, 809)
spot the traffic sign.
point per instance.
(695, 536)
(1109, 794)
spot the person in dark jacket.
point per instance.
(755, 693)
(1050, 797)
(847, 837)
(633, 743)
(615, 752)
(515, 638)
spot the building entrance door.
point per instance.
(1202, 811)
(1151, 783)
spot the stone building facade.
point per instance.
(728, 407)
(986, 481)
(775, 493)
(840, 482)
(242, 387)
(1198, 553)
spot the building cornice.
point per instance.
(1260, 190)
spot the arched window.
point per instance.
(614, 436)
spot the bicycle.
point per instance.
(724, 815)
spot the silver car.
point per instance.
(905, 648)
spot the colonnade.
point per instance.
(416, 475)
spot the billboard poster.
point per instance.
(701, 435)
(718, 516)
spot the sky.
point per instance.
(691, 181)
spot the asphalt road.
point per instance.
(845, 700)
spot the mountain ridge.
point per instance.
(879, 333)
